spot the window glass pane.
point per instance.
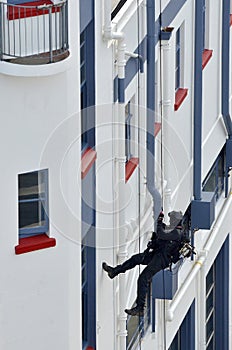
(32, 209)
(211, 345)
(210, 279)
(211, 182)
(31, 214)
(176, 342)
(210, 327)
(31, 186)
(209, 303)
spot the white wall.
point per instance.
(40, 293)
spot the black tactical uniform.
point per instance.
(162, 250)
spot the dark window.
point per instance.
(178, 58)
(128, 131)
(210, 309)
(117, 7)
(185, 337)
(215, 180)
(137, 326)
(33, 203)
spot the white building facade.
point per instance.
(129, 103)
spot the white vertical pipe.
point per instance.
(166, 104)
(120, 161)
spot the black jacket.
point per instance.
(167, 242)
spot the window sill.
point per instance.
(179, 98)
(87, 160)
(32, 243)
(157, 128)
(131, 165)
(206, 56)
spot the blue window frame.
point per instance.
(33, 203)
(129, 115)
(217, 301)
(84, 296)
(178, 60)
(185, 337)
(87, 83)
(88, 264)
(210, 308)
(215, 180)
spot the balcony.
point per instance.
(34, 34)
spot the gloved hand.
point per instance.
(149, 244)
(160, 217)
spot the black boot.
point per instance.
(112, 271)
(135, 311)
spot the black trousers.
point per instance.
(154, 261)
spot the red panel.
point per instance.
(18, 11)
(207, 54)
(157, 128)
(231, 20)
(130, 167)
(29, 244)
(87, 160)
(90, 348)
(179, 97)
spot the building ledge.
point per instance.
(180, 97)
(87, 160)
(157, 128)
(34, 70)
(206, 56)
(131, 165)
(29, 244)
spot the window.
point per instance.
(83, 90)
(128, 115)
(131, 161)
(206, 54)
(116, 7)
(210, 309)
(84, 296)
(87, 99)
(33, 203)
(180, 92)
(215, 180)
(185, 337)
(178, 59)
(137, 326)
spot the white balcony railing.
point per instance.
(33, 34)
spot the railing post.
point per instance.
(50, 34)
(66, 24)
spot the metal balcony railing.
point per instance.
(34, 34)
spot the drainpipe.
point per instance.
(151, 110)
(120, 161)
(197, 156)
(226, 66)
(166, 107)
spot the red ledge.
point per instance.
(179, 98)
(207, 54)
(23, 12)
(89, 348)
(231, 20)
(87, 160)
(131, 165)
(29, 244)
(157, 128)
